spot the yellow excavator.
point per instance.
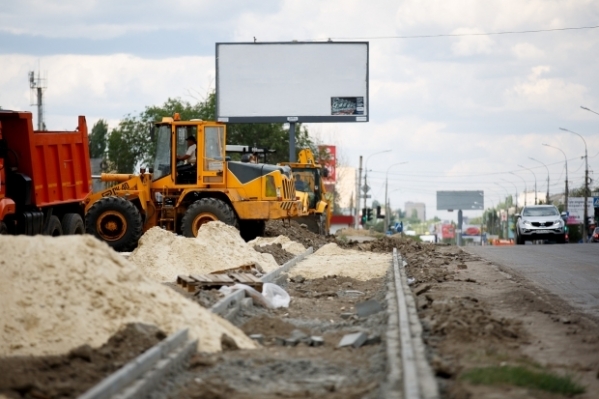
(182, 197)
(310, 188)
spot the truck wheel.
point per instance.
(115, 221)
(53, 228)
(250, 229)
(3, 228)
(72, 224)
(203, 211)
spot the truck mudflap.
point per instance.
(265, 210)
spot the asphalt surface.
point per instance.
(570, 271)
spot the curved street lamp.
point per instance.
(566, 161)
(546, 195)
(533, 173)
(586, 178)
(588, 109)
(386, 197)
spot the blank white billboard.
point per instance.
(292, 82)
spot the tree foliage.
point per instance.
(130, 143)
(97, 139)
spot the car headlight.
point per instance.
(558, 223)
(527, 223)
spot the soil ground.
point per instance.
(70, 375)
(476, 314)
(300, 371)
(473, 312)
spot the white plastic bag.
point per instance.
(256, 296)
(278, 297)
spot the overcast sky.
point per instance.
(462, 111)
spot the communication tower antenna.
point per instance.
(38, 85)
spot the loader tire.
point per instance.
(250, 229)
(72, 224)
(203, 211)
(3, 228)
(53, 228)
(115, 221)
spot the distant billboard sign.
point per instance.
(328, 159)
(447, 231)
(576, 209)
(292, 82)
(464, 200)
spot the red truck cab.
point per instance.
(44, 177)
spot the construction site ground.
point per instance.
(474, 315)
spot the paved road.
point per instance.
(570, 271)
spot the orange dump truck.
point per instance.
(44, 177)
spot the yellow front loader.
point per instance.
(181, 197)
(309, 185)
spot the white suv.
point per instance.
(540, 222)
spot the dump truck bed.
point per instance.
(57, 162)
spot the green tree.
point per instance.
(132, 144)
(97, 139)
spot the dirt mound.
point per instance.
(162, 255)
(53, 376)
(387, 243)
(296, 233)
(290, 246)
(332, 260)
(270, 327)
(58, 293)
(277, 251)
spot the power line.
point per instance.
(464, 34)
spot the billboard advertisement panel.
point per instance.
(447, 231)
(576, 209)
(464, 200)
(292, 82)
(328, 159)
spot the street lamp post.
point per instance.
(507, 181)
(366, 174)
(533, 173)
(586, 180)
(386, 197)
(566, 161)
(506, 210)
(546, 195)
(512, 173)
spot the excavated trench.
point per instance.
(300, 357)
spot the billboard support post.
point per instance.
(459, 235)
(292, 142)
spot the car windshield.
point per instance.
(540, 211)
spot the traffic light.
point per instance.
(363, 218)
(369, 214)
(378, 212)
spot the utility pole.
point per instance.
(586, 185)
(37, 86)
(358, 191)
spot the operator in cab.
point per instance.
(190, 155)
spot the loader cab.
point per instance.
(308, 180)
(171, 140)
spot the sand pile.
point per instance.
(290, 246)
(58, 293)
(162, 255)
(332, 260)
